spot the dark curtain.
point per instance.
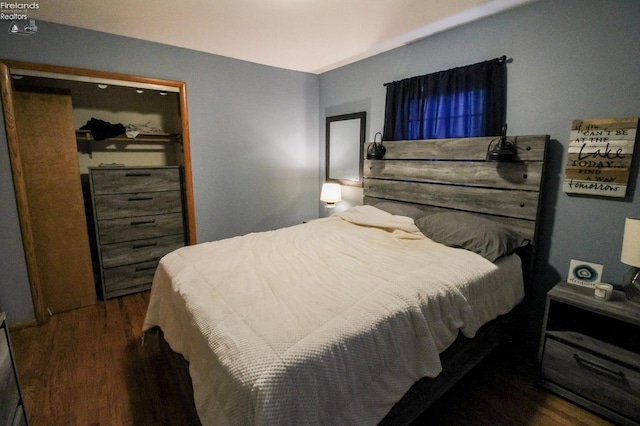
(461, 102)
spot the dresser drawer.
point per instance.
(607, 376)
(19, 418)
(129, 179)
(130, 276)
(131, 252)
(137, 204)
(9, 394)
(141, 227)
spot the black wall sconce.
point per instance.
(504, 151)
(376, 150)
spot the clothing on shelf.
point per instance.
(101, 130)
(134, 130)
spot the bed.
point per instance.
(369, 315)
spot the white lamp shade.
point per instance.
(631, 242)
(330, 193)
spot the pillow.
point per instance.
(485, 237)
(400, 209)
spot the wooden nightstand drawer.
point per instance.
(590, 351)
(144, 179)
(594, 370)
(131, 252)
(113, 206)
(141, 227)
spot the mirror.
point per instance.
(345, 145)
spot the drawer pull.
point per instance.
(139, 198)
(137, 174)
(138, 246)
(144, 268)
(597, 368)
(142, 222)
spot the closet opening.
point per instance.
(120, 121)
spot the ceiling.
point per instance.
(304, 35)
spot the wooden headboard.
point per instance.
(453, 174)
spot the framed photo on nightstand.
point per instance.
(585, 274)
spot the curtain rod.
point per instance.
(502, 59)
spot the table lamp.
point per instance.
(631, 256)
(330, 194)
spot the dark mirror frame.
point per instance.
(359, 150)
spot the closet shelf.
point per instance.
(85, 135)
(85, 140)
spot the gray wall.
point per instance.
(254, 138)
(571, 59)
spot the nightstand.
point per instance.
(590, 351)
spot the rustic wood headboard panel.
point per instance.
(453, 174)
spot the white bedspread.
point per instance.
(329, 322)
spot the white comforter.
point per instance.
(329, 322)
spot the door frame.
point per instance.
(6, 91)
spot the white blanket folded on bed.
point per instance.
(329, 322)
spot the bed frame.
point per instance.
(438, 175)
(453, 174)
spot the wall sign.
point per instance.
(600, 152)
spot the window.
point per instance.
(461, 102)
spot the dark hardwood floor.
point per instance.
(88, 367)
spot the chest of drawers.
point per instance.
(138, 215)
(11, 407)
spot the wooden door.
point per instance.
(49, 160)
